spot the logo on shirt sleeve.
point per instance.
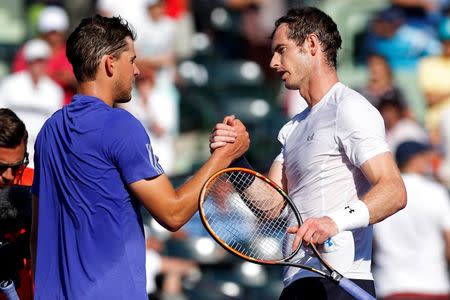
(153, 159)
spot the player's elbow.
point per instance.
(173, 223)
(401, 196)
(174, 226)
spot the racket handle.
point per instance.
(354, 290)
(8, 289)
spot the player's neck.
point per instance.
(92, 88)
(318, 86)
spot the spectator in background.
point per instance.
(180, 12)
(14, 219)
(53, 24)
(421, 14)
(131, 10)
(157, 93)
(13, 150)
(31, 93)
(434, 79)
(399, 127)
(165, 274)
(261, 14)
(412, 247)
(380, 85)
(401, 44)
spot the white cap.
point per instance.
(151, 2)
(53, 18)
(36, 49)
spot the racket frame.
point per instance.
(333, 275)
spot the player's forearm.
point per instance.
(189, 192)
(385, 198)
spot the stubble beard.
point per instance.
(123, 95)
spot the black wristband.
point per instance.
(241, 162)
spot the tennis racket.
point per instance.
(248, 215)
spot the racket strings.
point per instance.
(248, 215)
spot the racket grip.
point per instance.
(354, 290)
(9, 290)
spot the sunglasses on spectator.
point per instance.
(15, 167)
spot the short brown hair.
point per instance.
(94, 37)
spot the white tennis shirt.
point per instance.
(322, 150)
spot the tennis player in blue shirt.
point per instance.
(94, 167)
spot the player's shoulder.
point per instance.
(120, 120)
(350, 102)
(119, 115)
(346, 96)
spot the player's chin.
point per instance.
(290, 86)
(124, 98)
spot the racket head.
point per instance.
(248, 215)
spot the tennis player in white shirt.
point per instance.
(334, 161)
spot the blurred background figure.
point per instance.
(132, 10)
(31, 93)
(399, 126)
(401, 44)
(53, 24)
(165, 274)
(434, 77)
(421, 14)
(412, 247)
(156, 99)
(380, 84)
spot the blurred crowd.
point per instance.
(202, 59)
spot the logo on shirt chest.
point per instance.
(310, 137)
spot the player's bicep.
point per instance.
(155, 194)
(381, 167)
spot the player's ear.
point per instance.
(313, 43)
(108, 63)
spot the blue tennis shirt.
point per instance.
(90, 235)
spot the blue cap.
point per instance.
(406, 150)
(444, 29)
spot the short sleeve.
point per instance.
(282, 137)
(360, 130)
(128, 146)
